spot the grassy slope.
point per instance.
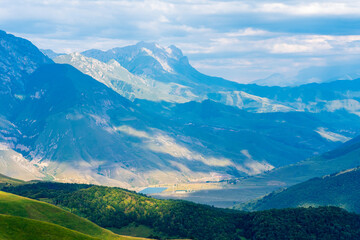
(23, 207)
(19, 228)
(6, 181)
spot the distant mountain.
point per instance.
(50, 53)
(314, 97)
(149, 58)
(328, 73)
(144, 86)
(113, 75)
(77, 129)
(347, 156)
(340, 189)
(169, 66)
(166, 64)
(314, 74)
(275, 79)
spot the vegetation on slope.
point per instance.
(340, 189)
(8, 181)
(14, 205)
(303, 223)
(346, 156)
(117, 208)
(20, 228)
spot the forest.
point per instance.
(116, 208)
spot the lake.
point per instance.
(152, 190)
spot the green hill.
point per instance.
(18, 228)
(8, 181)
(123, 210)
(14, 205)
(340, 189)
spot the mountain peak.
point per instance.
(50, 53)
(148, 44)
(170, 51)
(143, 58)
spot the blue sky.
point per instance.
(238, 40)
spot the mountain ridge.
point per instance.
(346, 156)
(310, 97)
(18, 58)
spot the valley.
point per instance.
(113, 130)
(220, 195)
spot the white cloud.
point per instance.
(312, 8)
(74, 45)
(248, 32)
(217, 35)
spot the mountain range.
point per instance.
(168, 72)
(143, 115)
(346, 156)
(314, 74)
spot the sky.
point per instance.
(238, 40)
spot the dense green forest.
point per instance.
(116, 208)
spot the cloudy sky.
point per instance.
(238, 40)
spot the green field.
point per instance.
(20, 228)
(14, 205)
